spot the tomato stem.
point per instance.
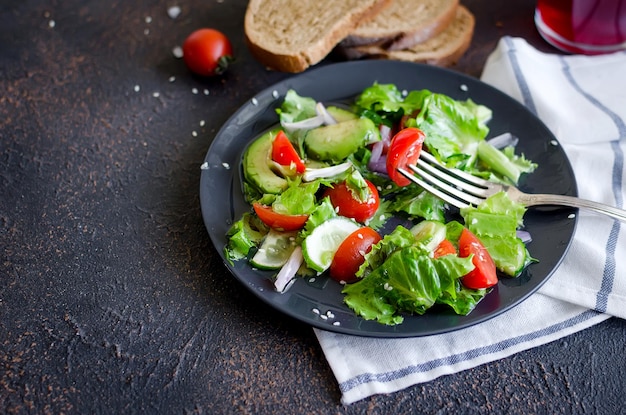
(223, 63)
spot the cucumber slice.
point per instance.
(320, 246)
(429, 233)
(274, 250)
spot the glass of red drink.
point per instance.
(588, 27)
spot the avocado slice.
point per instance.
(337, 141)
(340, 114)
(257, 168)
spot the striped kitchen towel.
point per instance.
(583, 101)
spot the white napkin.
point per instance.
(583, 101)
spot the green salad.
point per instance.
(327, 200)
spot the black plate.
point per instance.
(310, 302)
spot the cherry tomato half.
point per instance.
(343, 200)
(404, 149)
(279, 221)
(484, 273)
(351, 254)
(285, 154)
(207, 52)
(445, 247)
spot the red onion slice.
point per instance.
(377, 151)
(503, 140)
(326, 117)
(313, 174)
(307, 124)
(524, 236)
(286, 275)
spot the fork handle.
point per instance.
(546, 199)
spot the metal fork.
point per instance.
(461, 189)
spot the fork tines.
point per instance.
(453, 186)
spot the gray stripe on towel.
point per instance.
(608, 276)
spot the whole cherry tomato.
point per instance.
(207, 52)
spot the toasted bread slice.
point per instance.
(291, 35)
(444, 49)
(404, 23)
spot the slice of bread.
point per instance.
(404, 23)
(444, 49)
(291, 35)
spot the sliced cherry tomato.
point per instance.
(445, 247)
(484, 273)
(207, 52)
(278, 220)
(351, 254)
(342, 198)
(285, 154)
(404, 149)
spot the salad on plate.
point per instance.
(327, 201)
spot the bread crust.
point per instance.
(403, 24)
(298, 58)
(445, 49)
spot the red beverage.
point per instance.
(583, 26)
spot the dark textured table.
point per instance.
(112, 297)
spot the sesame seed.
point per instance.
(275, 94)
(464, 87)
(173, 12)
(255, 101)
(202, 123)
(177, 51)
(172, 78)
(148, 19)
(206, 91)
(312, 279)
(315, 311)
(571, 216)
(336, 323)
(52, 23)
(359, 235)
(146, 31)
(156, 94)
(405, 92)
(194, 91)
(554, 142)
(323, 317)
(204, 166)
(193, 133)
(137, 88)
(330, 314)
(226, 165)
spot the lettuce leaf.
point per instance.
(296, 108)
(410, 281)
(495, 223)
